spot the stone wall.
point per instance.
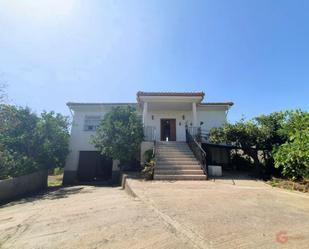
(20, 186)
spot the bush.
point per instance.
(148, 169)
(58, 171)
(14, 164)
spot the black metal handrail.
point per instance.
(198, 151)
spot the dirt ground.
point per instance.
(230, 213)
(242, 214)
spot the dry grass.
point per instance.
(302, 186)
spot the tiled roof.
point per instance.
(109, 104)
(181, 94)
(217, 103)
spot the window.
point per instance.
(92, 123)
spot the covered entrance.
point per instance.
(93, 166)
(168, 129)
(163, 111)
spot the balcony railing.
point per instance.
(199, 134)
(149, 133)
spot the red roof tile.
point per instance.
(218, 103)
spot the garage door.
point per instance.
(93, 166)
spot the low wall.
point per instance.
(19, 186)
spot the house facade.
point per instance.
(165, 116)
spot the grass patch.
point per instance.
(55, 180)
(302, 186)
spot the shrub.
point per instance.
(58, 171)
(148, 169)
(14, 164)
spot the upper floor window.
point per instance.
(92, 123)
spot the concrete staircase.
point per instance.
(175, 161)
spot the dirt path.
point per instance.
(85, 217)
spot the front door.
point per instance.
(168, 129)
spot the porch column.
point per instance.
(194, 114)
(145, 110)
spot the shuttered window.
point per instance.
(92, 123)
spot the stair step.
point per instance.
(172, 144)
(179, 172)
(165, 152)
(175, 159)
(177, 167)
(170, 148)
(177, 163)
(179, 177)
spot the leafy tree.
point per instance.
(29, 142)
(120, 134)
(52, 134)
(293, 155)
(281, 136)
(18, 125)
(243, 134)
(2, 92)
(270, 126)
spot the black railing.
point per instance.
(195, 132)
(197, 150)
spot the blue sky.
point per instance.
(254, 53)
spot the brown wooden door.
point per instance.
(168, 129)
(173, 130)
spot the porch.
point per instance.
(167, 116)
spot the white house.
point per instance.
(165, 116)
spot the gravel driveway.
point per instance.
(164, 215)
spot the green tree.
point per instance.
(120, 134)
(243, 134)
(29, 142)
(270, 126)
(293, 155)
(52, 134)
(3, 94)
(281, 136)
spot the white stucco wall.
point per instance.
(80, 139)
(180, 123)
(211, 117)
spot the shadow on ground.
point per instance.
(234, 175)
(53, 193)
